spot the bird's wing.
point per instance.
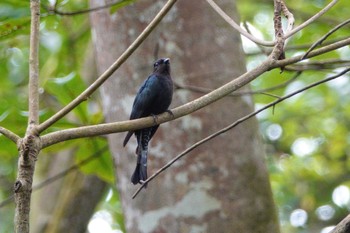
(144, 98)
(127, 137)
(143, 101)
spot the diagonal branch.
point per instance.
(229, 127)
(343, 226)
(93, 87)
(230, 21)
(54, 10)
(60, 175)
(325, 49)
(116, 127)
(323, 38)
(10, 135)
(88, 131)
(205, 90)
(312, 19)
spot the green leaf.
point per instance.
(100, 161)
(65, 89)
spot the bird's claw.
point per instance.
(155, 119)
(170, 112)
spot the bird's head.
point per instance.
(162, 66)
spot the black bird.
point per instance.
(154, 97)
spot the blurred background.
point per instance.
(306, 138)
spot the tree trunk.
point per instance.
(221, 186)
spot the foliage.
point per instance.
(62, 61)
(306, 137)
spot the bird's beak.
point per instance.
(166, 60)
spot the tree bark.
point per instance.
(222, 186)
(343, 226)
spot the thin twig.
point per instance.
(59, 175)
(33, 118)
(7, 201)
(295, 47)
(311, 20)
(10, 135)
(319, 65)
(54, 10)
(288, 15)
(204, 90)
(263, 50)
(322, 50)
(93, 87)
(229, 127)
(323, 38)
(71, 169)
(230, 21)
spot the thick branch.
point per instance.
(93, 87)
(88, 131)
(29, 150)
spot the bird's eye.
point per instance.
(156, 65)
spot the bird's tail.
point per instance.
(140, 173)
(127, 137)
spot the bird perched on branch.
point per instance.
(154, 97)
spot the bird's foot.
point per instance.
(170, 112)
(155, 119)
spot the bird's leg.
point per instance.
(170, 112)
